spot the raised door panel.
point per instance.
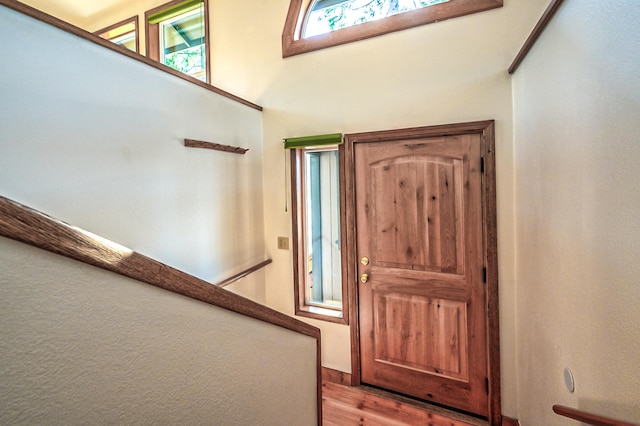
(415, 214)
(424, 334)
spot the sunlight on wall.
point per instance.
(100, 145)
(452, 71)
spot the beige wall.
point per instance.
(554, 252)
(80, 345)
(95, 139)
(447, 72)
(94, 16)
(577, 121)
(66, 10)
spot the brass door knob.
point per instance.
(364, 278)
(364, 261)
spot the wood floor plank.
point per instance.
(345, 405)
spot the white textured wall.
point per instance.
(95, 139)
(83, 346)
(577, 162)
(447, 72)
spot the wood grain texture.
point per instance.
(297, 229)
(343, 236)
(418, 211)
(490, 220)
(192, 143)
(152, 39)
(242, 274)
(31, 227)
(294, 44)
(79, 32)
(589, 418)
(345, 405)
(535, 34)
(507, 421)
(437, 325)
(334, 376)
(486, 131)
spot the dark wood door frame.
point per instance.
(490, 244)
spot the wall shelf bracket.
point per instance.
(192, 143)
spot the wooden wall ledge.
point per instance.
(535, 34)
(72, 29)
(192, 143)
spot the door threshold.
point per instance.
(449, 413)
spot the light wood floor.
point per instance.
(346, 406)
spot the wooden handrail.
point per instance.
(537, 30)
(79, 32)
(243, 274)
(588, 418)
(29, 226)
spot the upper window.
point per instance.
(317, 249)
(124, 33)
(318, 24)
(330, 15)
(177, 35)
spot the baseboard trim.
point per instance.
(336, 376)
(507, 421)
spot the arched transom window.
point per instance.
(329, 15)
(318, 24)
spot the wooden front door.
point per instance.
(419, 264)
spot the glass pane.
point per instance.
(322, 220)
(331, 15)
(182, 44)
(126, 40)
(124, 35)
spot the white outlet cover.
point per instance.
(568, 380)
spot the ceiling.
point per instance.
(80, 10)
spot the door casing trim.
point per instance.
(486, 129)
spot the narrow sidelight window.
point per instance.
(317, 232)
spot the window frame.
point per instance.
(294, 44)
(302, 308)
(152, 42)
(136, 25)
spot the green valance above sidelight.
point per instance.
(308, 141)
(175, 10)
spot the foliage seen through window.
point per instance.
(327, 15)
